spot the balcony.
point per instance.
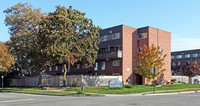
(110, 55)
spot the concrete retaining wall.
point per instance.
(184, 78)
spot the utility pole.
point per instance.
(154, 70)
(2, 83)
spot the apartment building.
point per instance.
(117, 51)
(179, 59)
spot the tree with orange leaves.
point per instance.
(191, 69)
(148, 58)
(6, 59)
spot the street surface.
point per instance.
(16, 99)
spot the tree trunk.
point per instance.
(40, 78)
(65, 73)
(190, 80)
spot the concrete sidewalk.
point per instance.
(171, 92)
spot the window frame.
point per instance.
(50, 68)
(187, 55)
(144, 35)
(56, 68)
(77, 66)
(118, 35)
(103, 63)
(96, 66)
(195, 55)
(177, 56)
(139, 49)
(114, 63)
(85, 65)
(104, 38)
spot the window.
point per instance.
(50, 69)
(110, 36)
(179, 56)
(187, 55)
(96, 66)
(142, 35)
(172, 57)
(85, 65)
(68, 68)
(173, 63)
(108, 48)
(103, 65)
(104, 38)
(56, 68)
(179, 71)
(172, 72)
(77, 66)
(139, 49)
(34, 70)
(62, 68)
(116, 63)
(195, 55)
(116, 48)
(116, 35)
(188, 62)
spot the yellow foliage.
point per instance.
(148, 58)
(6, 59)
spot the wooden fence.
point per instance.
(72, 80)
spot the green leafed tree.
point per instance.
(72, 37)
(23, 22)
(26, 42)
(148, 58)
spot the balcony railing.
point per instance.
(110, 55)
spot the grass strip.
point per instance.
(44, 92)
(98, 90)
(139, 88)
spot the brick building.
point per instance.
(179, 59)
(117, 51)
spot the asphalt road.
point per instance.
(16, 99)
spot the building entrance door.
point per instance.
(138, 79)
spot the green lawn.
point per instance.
(105, 89)
(35, 90)
(139, 88)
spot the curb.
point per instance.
(170, 93)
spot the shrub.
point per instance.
(79, 91)
(116, 88)
(128, 86)
(173, 80)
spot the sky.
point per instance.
(180, 17)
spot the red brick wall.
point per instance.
(127, 47)
(163, 39)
